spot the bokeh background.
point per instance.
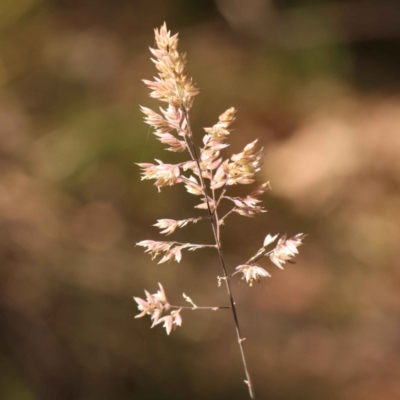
(318, 82)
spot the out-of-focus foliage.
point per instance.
(316, 82)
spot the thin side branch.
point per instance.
(221, 221)
(201, 308)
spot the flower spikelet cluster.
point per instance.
(225, 120)
(240, 169)
(169, 226)
(173, 84)
(164, 174)
(252, 273)
(171, 250)
(164, 124)
(214, 142)
(156, 305)
(248, 206)
(286, 250)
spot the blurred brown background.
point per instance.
(318, 82)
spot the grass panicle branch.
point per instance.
(206, 175)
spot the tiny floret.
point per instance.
(164, 174)
(171, 250)
(286, 250)
(156, 305)
(170, 321)
(269, 239)
(252, 273)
